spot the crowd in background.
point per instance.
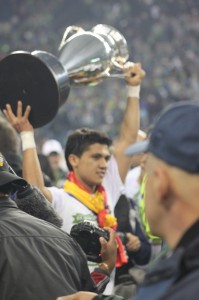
(163, 35)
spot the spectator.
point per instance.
(138, 248)
(10, 146)
(52, 149)
(134, 175)
(139, 200)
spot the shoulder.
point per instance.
(58, 195)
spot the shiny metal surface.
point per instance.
(91, 56)
(58, 72)
(37, 79)
(116, 41)
(43, 81)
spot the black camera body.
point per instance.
(87, 235)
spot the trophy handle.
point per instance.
(112, 73)
(69, 31)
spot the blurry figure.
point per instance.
(30, 200)
(139, 196)
(53, 150)
(10, 146)
(138, 248)
(11, 149)
(135, 174)
(38, 260)
(48, 174)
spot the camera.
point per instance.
(87, 235)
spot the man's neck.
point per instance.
(176, 234)
(89, 188)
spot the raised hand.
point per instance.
(133, 73)
(133, 243)
(19, 121)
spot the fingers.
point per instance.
(134, 243)
(109, 249)
(27, 112)
(112, 241)
(19, 108)
(6, 114)
(112, 233)
(133, 246)
(9, 113)
(134, 73)
(19, 120)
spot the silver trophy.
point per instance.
(43, 81)
(91, 56)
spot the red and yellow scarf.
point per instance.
(97, 203)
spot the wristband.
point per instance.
(133, 91)
(27, 139)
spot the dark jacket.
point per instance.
(38, 260)
(126, 216)
(175, 276)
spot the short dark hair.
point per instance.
(8, 137)
(80, 140)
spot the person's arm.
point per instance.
(140, 252)
(138, 247)
(79, 296)
(101, 279)
(101, 274)
(31, 166)
(90, 296)
(131, 120)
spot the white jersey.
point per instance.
(72, 211)
(131, 183)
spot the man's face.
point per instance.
(54, 160)
(91, 167)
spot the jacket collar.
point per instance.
(5, 201)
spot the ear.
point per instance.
(73, 160)
(162, 185)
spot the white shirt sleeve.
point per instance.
(112, 183)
